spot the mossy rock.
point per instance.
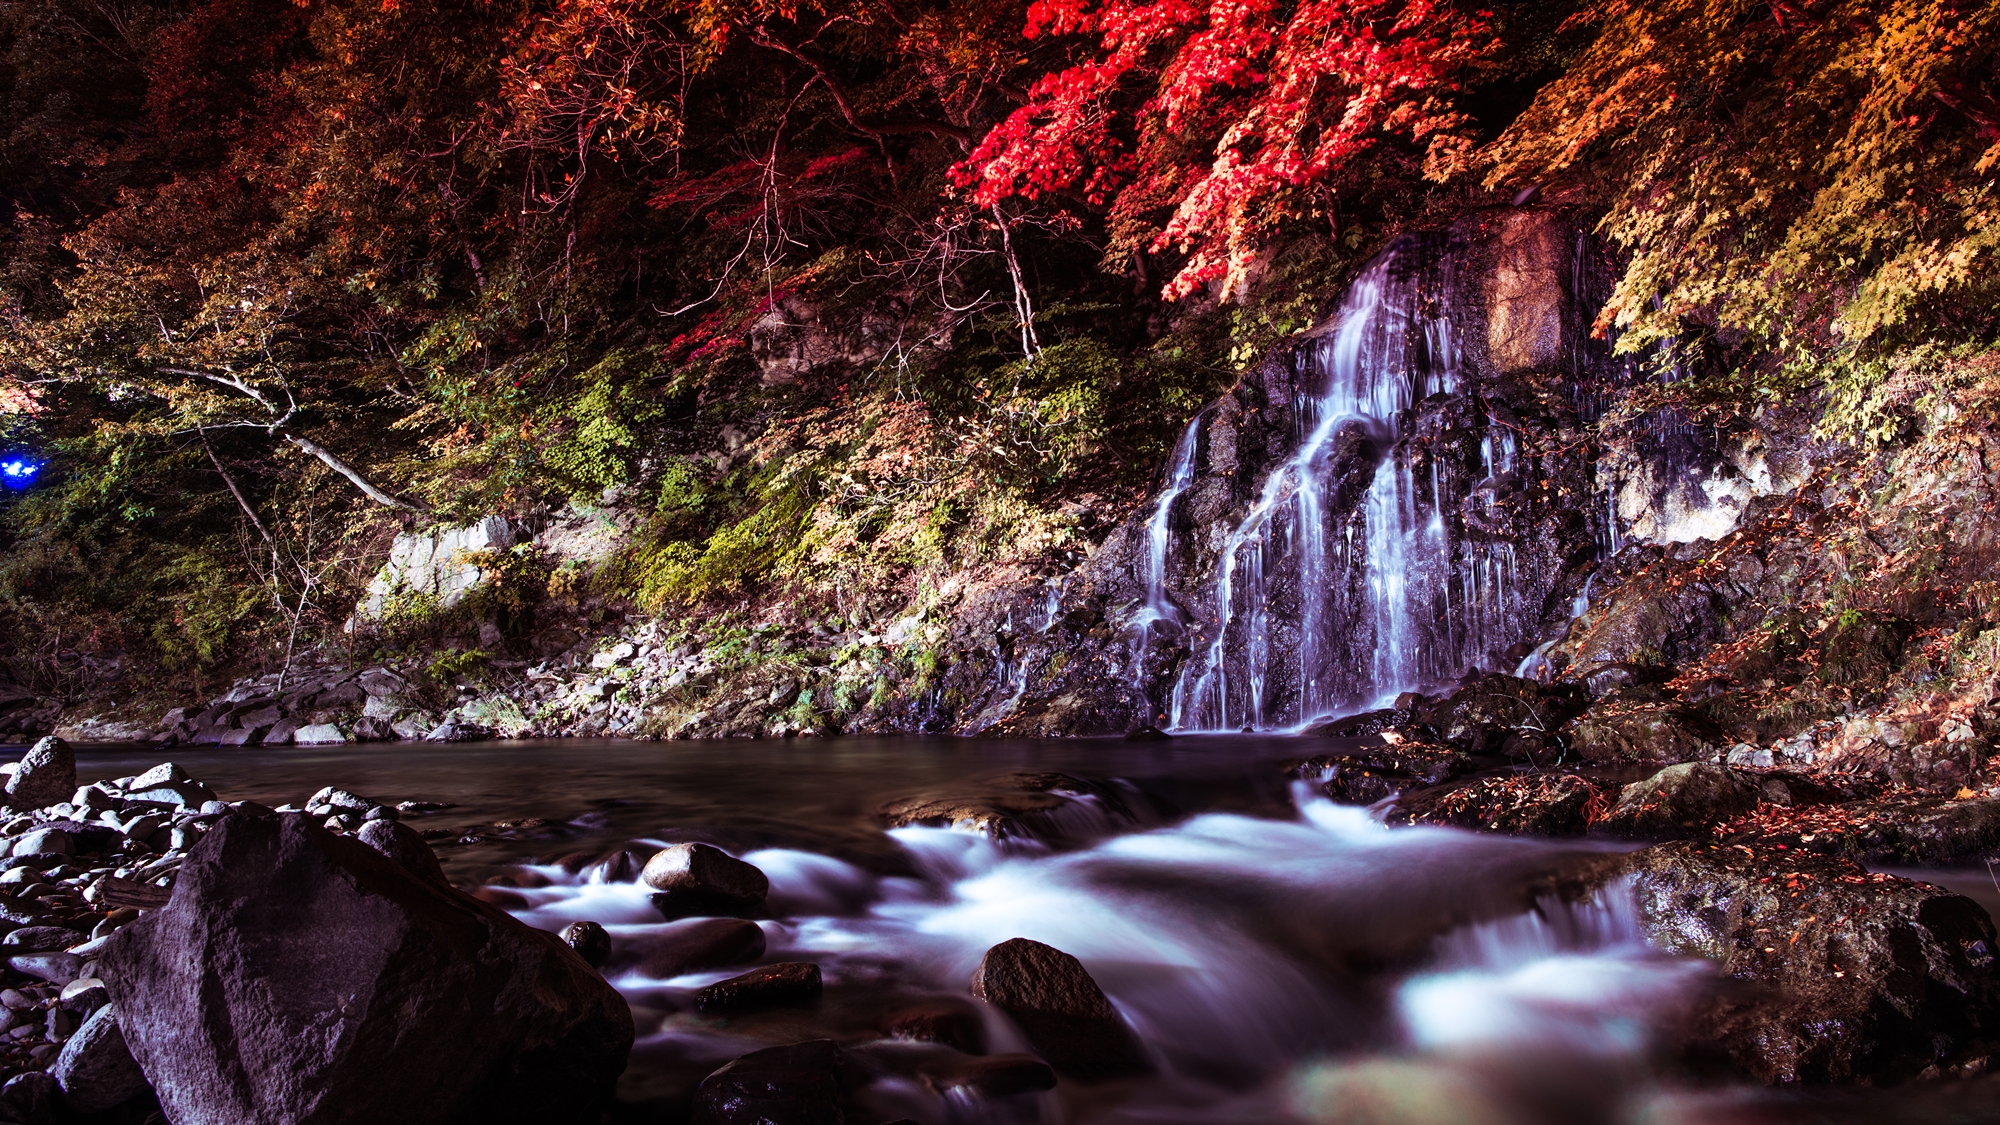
(1862, 647)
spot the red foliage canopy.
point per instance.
(1257, 105)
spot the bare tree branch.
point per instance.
(351, 473)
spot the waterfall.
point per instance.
(1159, 609)
(1328, 596)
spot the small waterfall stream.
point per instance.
(1326, 600)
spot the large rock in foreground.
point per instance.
(1835, 973)
(300, 977)
(1060, 1009)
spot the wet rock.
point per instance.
(491, 1020)
(1367, 776)
(319, 734)
(786, 984)
(1032, 806)
(798, 1084)
(1480, 717)
(371, 728)
(1783, 787)
(1059, 1008)
(996, 1076)
(945, 1019)
(405, 847)
(95, 1070)
(688, 947)
(1836, 973)
(1148, 734)
(591, 942)
(55, 968)
(46, 775)
(31, 1099)
(86, 994)
(46, 841)
(1621, 730)
(39, 939)
(1690, 797)
(694, 873)
(1522, 805)
(1861, 646)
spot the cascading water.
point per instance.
(1160, 610)
(1327, 597)
(1228, 943)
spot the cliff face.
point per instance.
(1407, 493)
(1422, 488)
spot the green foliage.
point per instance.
(453, 666)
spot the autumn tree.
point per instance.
(1199, 128)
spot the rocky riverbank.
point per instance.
(140, 911)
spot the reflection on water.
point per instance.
(1281, 958)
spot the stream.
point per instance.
(1281, 958)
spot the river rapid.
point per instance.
(1280, 958)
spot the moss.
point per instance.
(1862, 647)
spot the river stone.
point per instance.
(55, 968)
(997, 1076)
(949, 1020)
(401, 1000)
(591, 942)
(46, 841)
(1620, 730)
(404, 845)
(687, 947)
(46, 775)
(30, 1099)
(1060, 1009)
(1545, 804)
(1835, 973)
(39, 939)
(166, 773)
(704, 870)
(786, 984)
(1680, 799)
(798, 1084)
(95, 1070)
(319, 734)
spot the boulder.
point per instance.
(783, 985)
(39, 939)
(1623, 730)
(1834, 973)
(798, 1084)
(297, 976)
(319, 734)
(30, 1099)
(405, 846)
(1687, 798)
(46, 775)
(949, 1020)
(95, 1070)
(1520, 804)
(438, 567)
(996, 1076)
(700, 873)
(1366, 776)
(591, 942)
(55, 968)
(46, 841)
(1059, 1008)
(687, 947)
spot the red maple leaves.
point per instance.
(1231, 113)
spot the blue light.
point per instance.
(18, 472)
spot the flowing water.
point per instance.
(1278, 956)
(1322, 605)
